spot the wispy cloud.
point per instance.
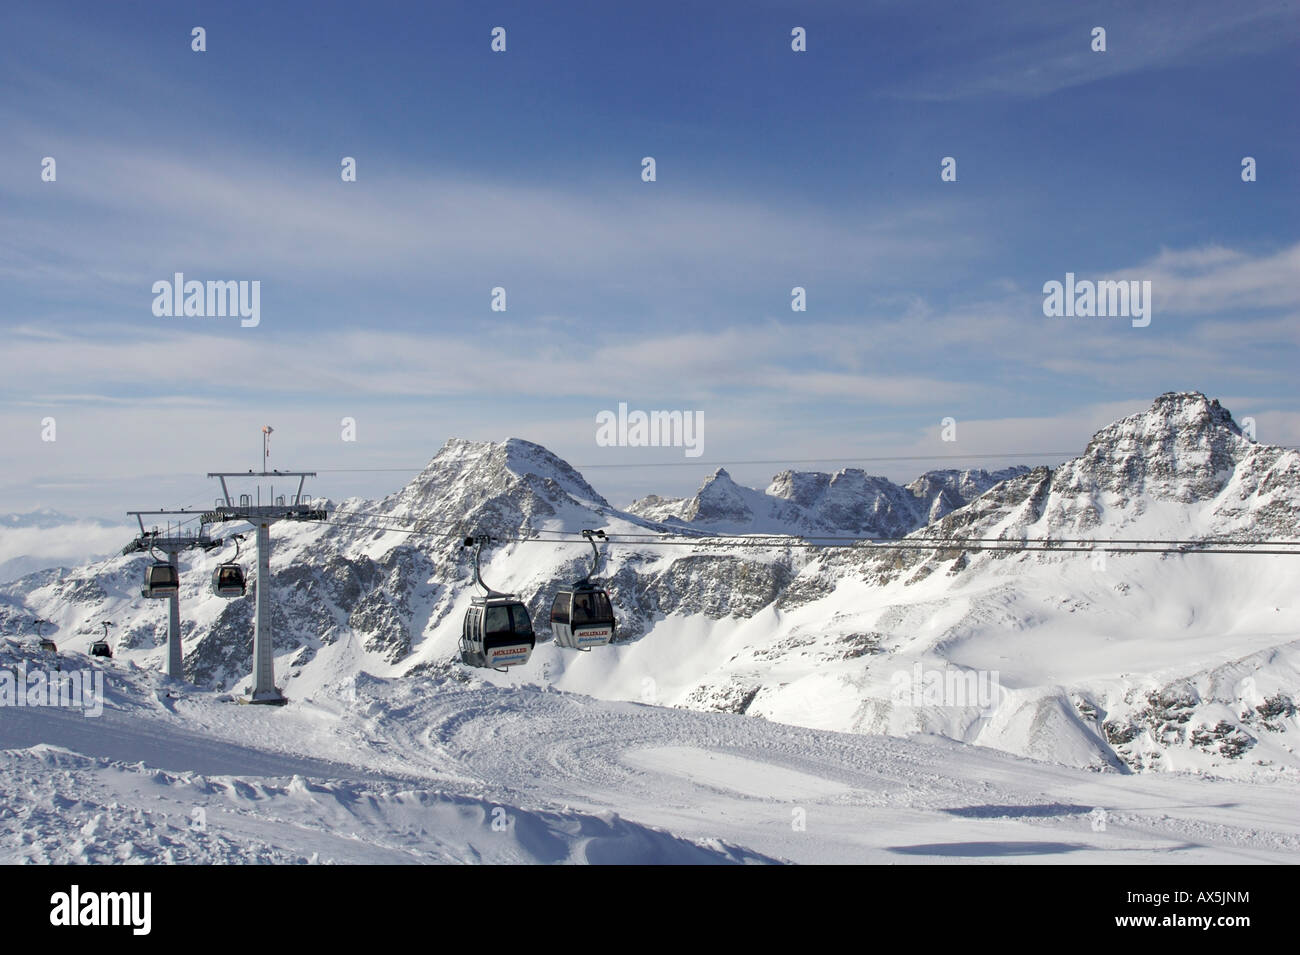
(26, 549)
(1015, 49)
(1215, 279)
(296, 221)
(890, 358)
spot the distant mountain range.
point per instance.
(849, 502)
(45, 517)
(45, 538)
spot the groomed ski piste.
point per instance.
(398, 771)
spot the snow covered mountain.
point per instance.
(945, 491)
(1120, 662)
(1136, 660)
(43, 517)
(849, 502)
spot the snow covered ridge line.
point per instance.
(71, 689)
(73, 908)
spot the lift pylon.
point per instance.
(171, 544)
(294, 507)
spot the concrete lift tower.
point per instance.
(171, 544)
(262, 516)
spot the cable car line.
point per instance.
(776, 542)
(813, 538)
(497, 630)
(781, 540)
(687, 537)
(769, 461)
(999, 455)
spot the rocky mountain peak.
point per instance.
(507, 463)
(801, 487)
(499, 488)
(943, 491)
(720, 499)
(1183, 448)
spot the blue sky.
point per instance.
(522, 170)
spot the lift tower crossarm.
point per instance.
(168, 543)
(296, 509)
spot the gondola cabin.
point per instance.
(228, 581)
(160, 580)
(582, 618)
(49, 646)
(100, 648)
(497, 632)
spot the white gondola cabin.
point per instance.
(228, 581)
(582, 618)
(497, 631)
(160, 580)
(581, 614)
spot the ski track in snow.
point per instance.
(383, 771)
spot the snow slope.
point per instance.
(1164, 662)
(402, 770)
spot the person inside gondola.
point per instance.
(581, 608)
(497, 622)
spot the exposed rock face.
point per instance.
(848, 502)
(666, 510)
(945, 491)
(386, 614)
(715, 586)
(222, 655)
(1181, 470)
